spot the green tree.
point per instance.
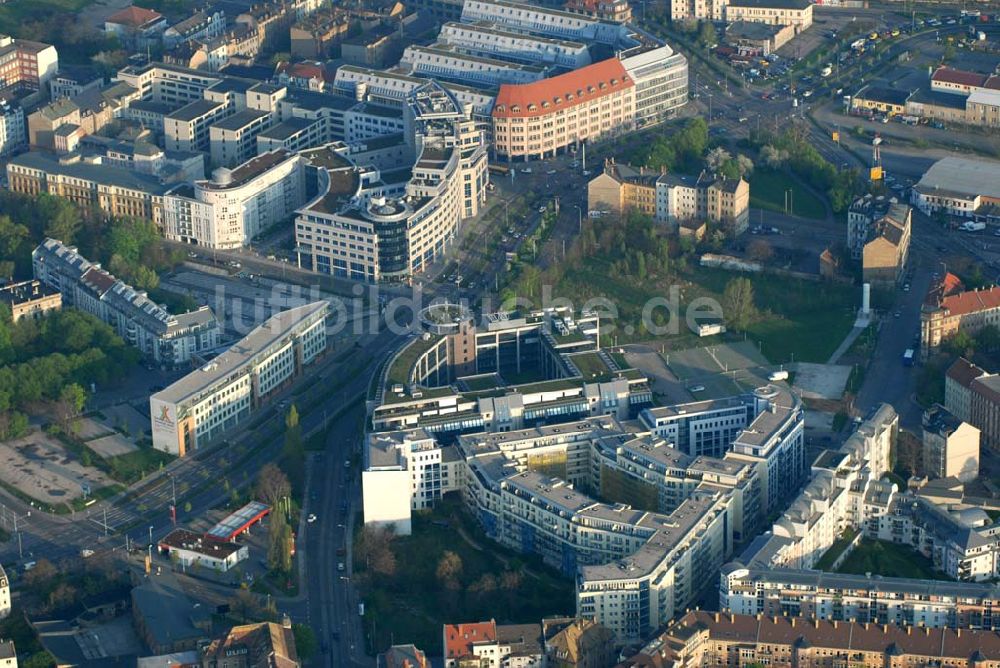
(40, 659)
(707, 35)
(294, 455)
(449, 570)
(305, 641)
(738, 308)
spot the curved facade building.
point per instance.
(377, 226)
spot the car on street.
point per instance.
(526, 170)
(896, 314)
(550, 172)
(542, 209)
(347, 463)
(311, 518)
(340, 566)
(696, 388)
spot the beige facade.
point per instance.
(29, 299)
(705, 198)
(620, 189)
(797, 13)
(982, 108)
(885, 254)
(700, 639)
(950, 446)
(536, 120)
(949, 308)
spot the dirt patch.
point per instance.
(40, 466)
(112, 446)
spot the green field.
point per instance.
(805, 319)
(412, 605)
(767, 191)
(880, 557)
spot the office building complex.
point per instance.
(403, 224)
(206, 403)
(236, 205)
(443, 420)
(163, 338)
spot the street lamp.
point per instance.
(579, 212)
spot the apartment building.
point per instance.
(572, 642)
(88, 183)
(13, 130)
(973, 395)
(950, 446)
(545, 21)
(949, 308)
(492, 645)
(201, 25)
(962, 187)
(619, 11)
(537, 120)
(887, 248)
(403, 656)
(318, 33)
(236, 205)
(8, 654)
(29, 299)
(442, 60)
(796, 13)
(702, 638)
(873, 599)
(488, 40)
(4, 594)
(136, 28)
(205, 404)
(167, 84)
(403, 228)
(718, 200)
(620, 189)
(861, 216)
(187, 128)
(163, 338)
(233, 139)
(845, 492)
(698, 10)
(253, 646)
(26, 65)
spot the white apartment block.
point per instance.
(392, 88)
(489, 41)
(950, 446)
(206, 403)
(233, 140)
(544, 21)
(845, 492)
(166, 339)
(167, 84)
(4, 594)
(865, 599)
(187, 128)
(678, 197)
(13, 130)
(236, 205)
(8, 654)
(449, 63)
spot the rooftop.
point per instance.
(965, 176)
(772, 4)
(134, 17)
(562, 91)
(194, 110)
(240, 120)
(241, 353)
(183, 539)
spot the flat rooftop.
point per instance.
(964, 176)
(196, 109)
(241, 353)
(239, 120)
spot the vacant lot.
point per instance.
(39, 466)
(768, 191)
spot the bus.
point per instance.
(908, 357)
(499, 170)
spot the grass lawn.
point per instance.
(767, 191)
(883, 558)
(805, 319)
(838, 547)
(136, 465)
(412, 605)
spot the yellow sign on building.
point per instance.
(875, 174)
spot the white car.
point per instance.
(311, 518)
(550, 172)
(542, 209)
(526, 170)
(696, 388)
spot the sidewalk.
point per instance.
(860, 325)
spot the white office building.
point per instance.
(206, 403)
(489, 41)
(13, 130)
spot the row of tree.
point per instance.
(793, 151)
